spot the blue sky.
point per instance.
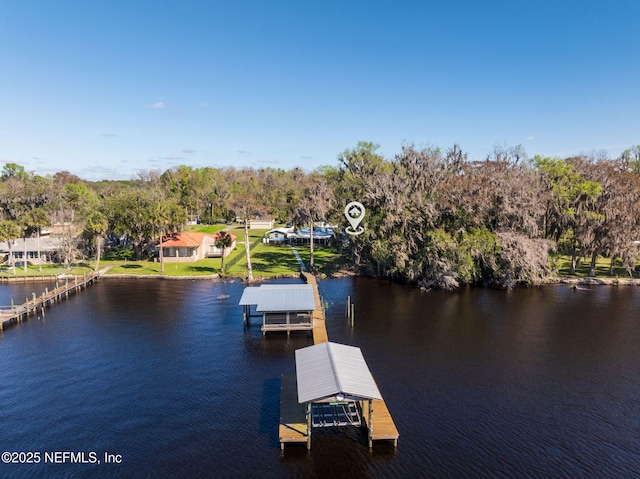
(105, 89)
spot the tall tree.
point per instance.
(315, 205)
(9, 232)
(35, 220)
(570, 216)
(224, 241)
(97, 225)
(246, 206)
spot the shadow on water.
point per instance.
(275, 345)
(337, 452)
(270, 410)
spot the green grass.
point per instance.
(563, 263)
(208, 228)
(266, 261)
(204, 267)
(253, 234)
(326, 260)
(47, 270)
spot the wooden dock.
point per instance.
(382, 426)
(317, 319)
(294, 427)
(10, 315)
(293, 418)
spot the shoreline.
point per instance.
(568, 280)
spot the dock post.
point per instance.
(348, 306)
(370, 425)
(353, 313)
(308, 426)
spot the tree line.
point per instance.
(440, 220)
(434, 217)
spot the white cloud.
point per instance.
(157, 105)
(530, 138)
(271, 162)
(188, 150)
(244, 152)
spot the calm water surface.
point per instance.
(530, 383)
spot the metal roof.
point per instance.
(328, 369)
(279, 297)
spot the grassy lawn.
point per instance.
(326, 260)
(47, 270)
(582, 271)
(208, 228)
(267, 261)
(204, 267)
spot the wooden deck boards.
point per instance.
(293, 422)
(319, 326)
(382, 423)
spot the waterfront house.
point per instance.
(321, 236)
(21, 248)
(192, 246)
(278, 235)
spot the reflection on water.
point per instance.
(529, 383)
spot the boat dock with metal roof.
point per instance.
(332, 387)
(283, 307)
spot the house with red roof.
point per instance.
(192, 246)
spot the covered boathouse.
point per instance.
(332, 387)
(282, 307)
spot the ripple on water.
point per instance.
(532, 383)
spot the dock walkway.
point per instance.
(10, 315)
(382, 426)
(293, 420)
(318, 320)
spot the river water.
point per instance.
(160, 375)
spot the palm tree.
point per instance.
(167, 217)
(97, 225)
(224, 241)
(247, 205)
(35, 220)
(9, 232)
